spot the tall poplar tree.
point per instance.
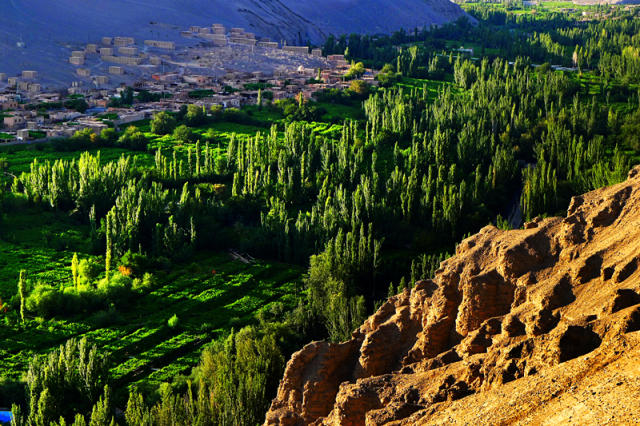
(22, 289)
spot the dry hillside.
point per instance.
(532, 326)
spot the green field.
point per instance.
(210, 294)
(19, 158)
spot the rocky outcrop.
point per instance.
(533, 325)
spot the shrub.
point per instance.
(88, 271)
(183, 134)
(133, 138)
(147, 282)
(109, 136)
(44, 301)
(137, 263)
(163, 123)
(360, 88)
(196, 115)
(117, 289)
(174, 321)
(356, 70)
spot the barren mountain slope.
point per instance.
(532, 326)
(50, 29)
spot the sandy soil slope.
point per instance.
(539, 325)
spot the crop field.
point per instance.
(20, 158)
(433, 87)
(210, 294)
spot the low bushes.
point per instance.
(47, 301)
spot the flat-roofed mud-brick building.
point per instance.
(242, 40)
(169, 45)
(299, 50)
(128, 51)
(216, 39)
(123, 41)
(116, 70)
(123, 60)
(268, 44)
(76, 60)
(101, 80)
(31, 75)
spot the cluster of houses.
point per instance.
(171, 90)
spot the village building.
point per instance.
(34, 88)
(268, 44)
(127, 117)
(299, 50)
(14, 121)
(47, 97)
(29, 75)
(92, 123)
(199, 80)
(76, 60)
(123, 41)
(7, 103)
(128, 51)
(22, 134)
(170, 45)
(101, 80)
(123, 60)
(116, 70)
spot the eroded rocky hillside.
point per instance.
(532, 326)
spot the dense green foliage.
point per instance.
(367, 188)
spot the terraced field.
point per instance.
(210, 294)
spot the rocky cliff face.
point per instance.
(538, 325)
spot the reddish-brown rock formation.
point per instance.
(538, 325)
